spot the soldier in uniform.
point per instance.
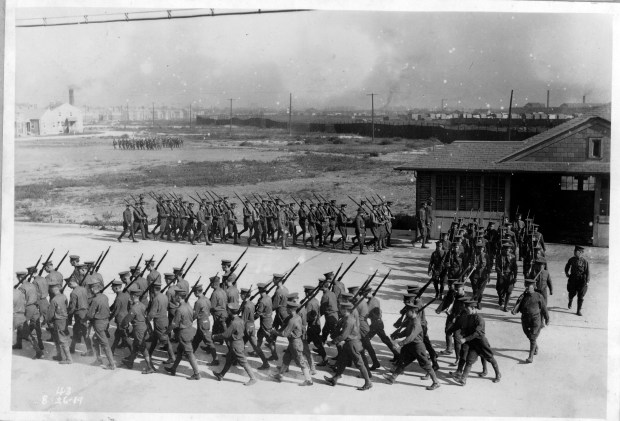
(360, 231)
(362, 310)
(350, 340)
(127, 225)
(233, 335)
(292, 217)
(373, 224)
(376, 325)
(57, 320)
(518, 226)
(182, 321)
(231, 223)
(437, 268)
(248, 220)
(282, 225)
(303, 218)
(99, 316)
(78, 306)
(247, 315)
(293, 331)
(138, 222)
(506, 266)
(341, 223)
(329, 309)
(278, 301)
(480, 276)
(157, 312)
(74, 260)
(543, 279)
(453, 307)
(219, 299)
(118, 311)
(412, 348)
(475, 340)
(19, 320)
(421, 218)
(31, 316)
(202, 311)
(534, 316)
(162, 215)
(577, 270)
(208, 222)
(264, 312)
(312, 218)
(138, 320)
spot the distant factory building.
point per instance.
(56, 119)
(562, 176)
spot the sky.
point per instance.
(324, 58)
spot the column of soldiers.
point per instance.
(266, 221)
(147, 143)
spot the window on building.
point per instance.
(594, 148)
(445, 190)
(588, 183)
(604, 208)
(568, 182)
(494, 188)
(469, 196)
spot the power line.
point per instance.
(84, 20)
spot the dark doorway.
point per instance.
(562, 205)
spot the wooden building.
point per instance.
(561, 176)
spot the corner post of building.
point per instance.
(597, 210)
(507, 184)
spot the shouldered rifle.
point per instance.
(242, 202)
(338, 271)
(194, 199)
(192, 290)
(133, 273)
(45, 263)
(236, 264)
(240, 273)
(209, 286)
(161, 260)
(381, 284)
(346, 270)
(288, 274)
(184, 263)
(257, 293)
(365, 284)
(104, 288)
(167, 285)
(61, 261)
(307, 299)
(97, 266)
(134, 279)
(33, 272)
(189, 267)
(212, 197)
(91, 270)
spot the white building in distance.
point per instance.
(56, 119)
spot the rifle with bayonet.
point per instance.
(46, 261)
(61, 261)
(27, 278)
(193, 289)
(189, 267)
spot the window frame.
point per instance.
(592, 141)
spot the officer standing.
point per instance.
(534, 316)
(577, 271)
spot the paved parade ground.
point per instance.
(567, 379)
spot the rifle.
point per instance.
(288, 274)
(102, 259)
(338, 271)
(313, 294)
(381, 284)
(365, 284)
(137, 277)
(160, 260)
(61, 261)
(184, 263)
(240, 273)
(399, 323)
(209, 286)
(29, 276)
(242, 202)
(20, 282)
(167, 285)
(234, 266)
(104, 288)
(194, 199)
(514, 309)
(189, 267)
(92, 268)
(258, 292)
(346, 270)
(45, 263)
(192, 290)
(137, 264)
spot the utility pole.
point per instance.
(190, 116)
(442, 101)
(290, 113)
(231, 100)
(372, 115)
(153, 115)
(509, 114)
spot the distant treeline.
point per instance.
(467, 129)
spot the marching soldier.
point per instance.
(329, 309)
(30, 316)
(219, 299)
(202, 311)
(534, 316)
(264, 312)
(99, 316)
(248, 220)
(118, 311)
(247, 315)
(543, 279)
(577, 271)
(182, 321)
(282, 226)
(437, 268)
(231, 223)
(157, 312)
(292, 217)
(480, 276)
(138, 320)
(278, 301)
(362, 310)
(506, 266)
(376, 325)
(341, 223)
(162, 215)
(360, 231)
(303, 218)
(233, 335)
(57, 320)
(127, 225)
(313, 318)
(19, 320)
(518, 226)
(138, 222)
(453, 306)
(313, 222)
(421, 218)
(78, 307)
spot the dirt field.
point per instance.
(567, 379)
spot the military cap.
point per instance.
(291, 304)
(540, 259)
(374, 205)
(291, 204)
(278, 276)
(346, 306)
(345, 295)
(412, 306)
(214, 279)
(362, 202)
(169, 275)
(226, 262)
(343, 205)
(233, 307)
(179, 290)
(134, 289)
(458, 284)
(360, 210)
(192, 203)
(508, 244)
(21, 273)
(527, 281)
(579, 248)
(261, 285)
(31, 268)
(412, 288)
(308, 288)
(292, 296)
(74, 257)
(312, 205)
(167, 200)
(328, 275)
(244, 290)
(199, 288)
(366, 290)
(438, 243)
(149, 260)
(53, 284)
(353, 290)
(136, 202)
(175, 270)
(92, 281)
(409, 296)
(80, 265)
(117, 282)
(50, 263)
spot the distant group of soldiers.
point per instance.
(147, 143)
(266, 220)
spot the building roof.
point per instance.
(501, 156)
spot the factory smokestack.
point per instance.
(547, 98)
(584, 99)
(71, 96)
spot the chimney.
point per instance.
(71, 96)
(584, 99)
(547, 98)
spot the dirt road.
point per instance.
(567, 379)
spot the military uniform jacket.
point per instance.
(313, 312)
(232, 294)
(75, 276)
(472, 327)
(342, 219)
(159, 306)
(578, 270)
(329, 304)
(362, 310)
(162, 212)
(293, 329)
(182, 283)
(538, 238)
(481, 264)
(127, 219)
(312, 217)
(78, 300)
(234, 332)
(55, 276)
(350, 330)
(57, 309)
(99, 308)
(120, 307)
(413, 332)
(30, 293)
(247, 312)
(532, 306)
(278, 301)
(339, 288)
(360, 224)
(544, 281)
(202, 310)
(136, 316)
(507, 265)
(247, 214)
(219, 299)
(437, 263)
(137, 216)
(152, 277)
(183, 318)
(19, 305)
(374, 309)
(264, 311)
(303, 215)
(172, 306)
(229, 276)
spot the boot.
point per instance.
(248, 370)
(579, 304)
(570, 303)
(498, 375)
(435, 384)
(66, 354)
(463, 379)
(484, 369)
(530, 359)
